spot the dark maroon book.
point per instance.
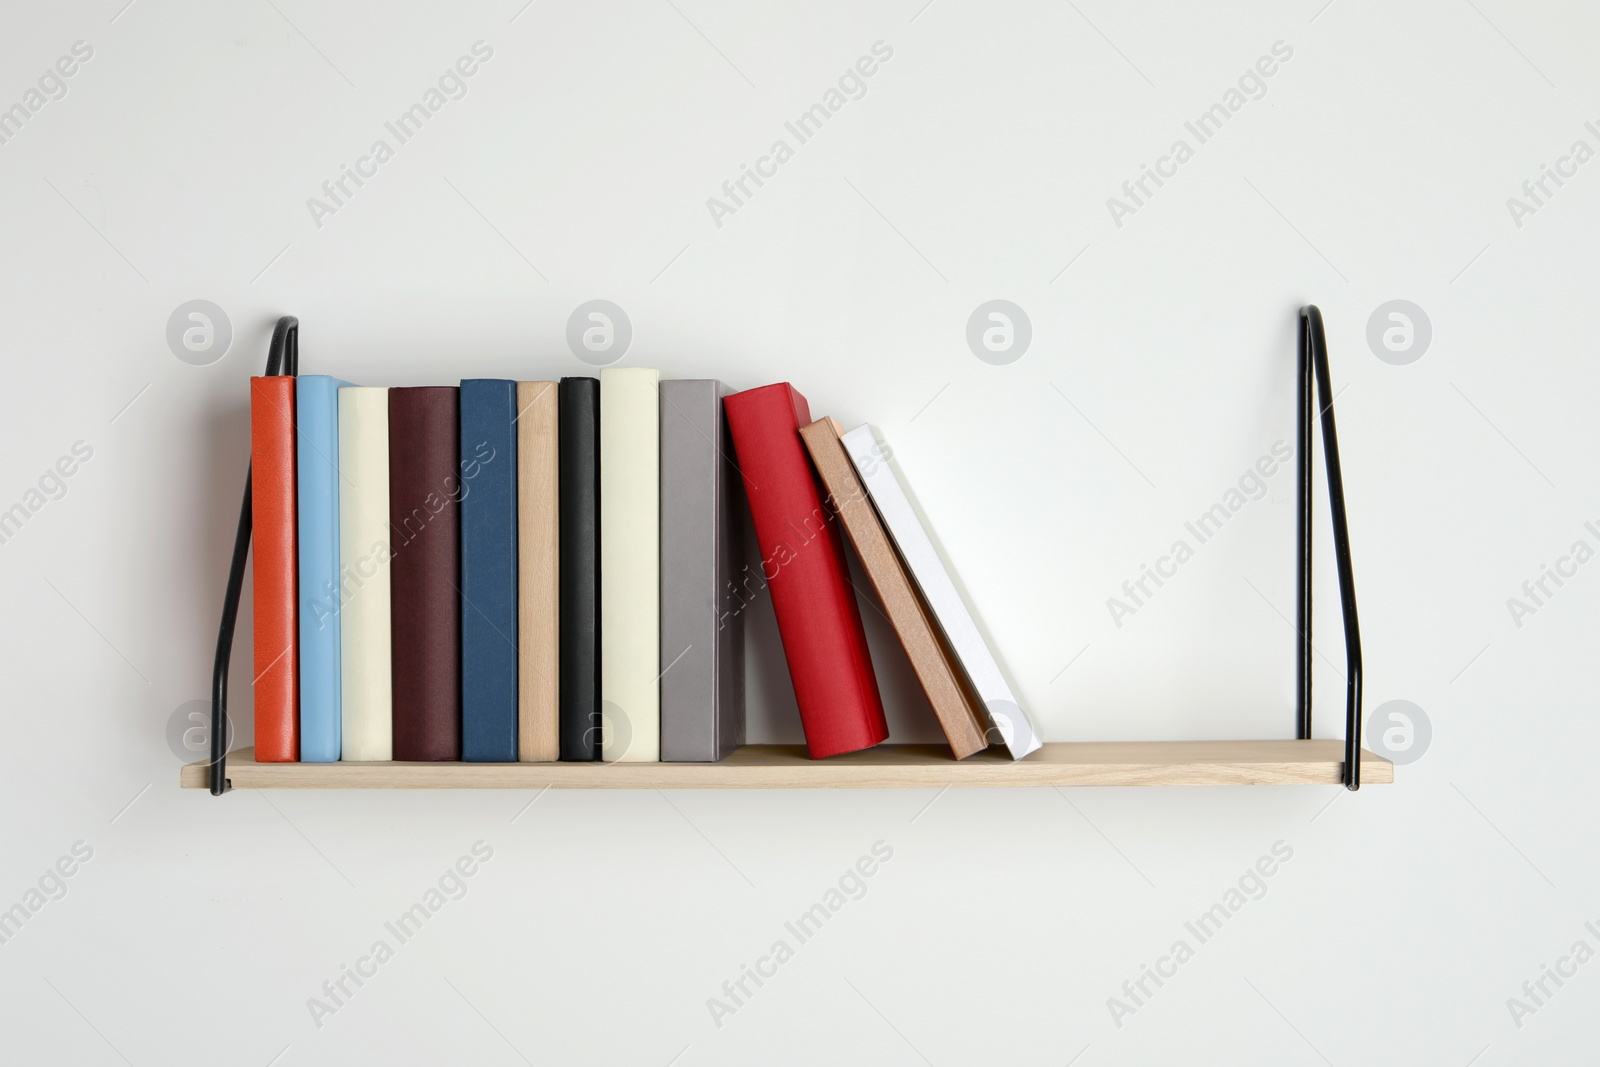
(425, 491)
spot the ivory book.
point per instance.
(630, 564)
(365, 683)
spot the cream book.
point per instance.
(630, 564)
(1009, 723)
(365, 683)
(538, 575)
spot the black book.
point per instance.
(579, 515)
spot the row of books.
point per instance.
(527, 571)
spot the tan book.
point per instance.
(538, 575)
(959, 712)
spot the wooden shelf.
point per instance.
(884, 767)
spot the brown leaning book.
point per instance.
(538, 574)
(958, 710)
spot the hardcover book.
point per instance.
(538, 573)
(803, 553)
(578, 456)
(630, 564)
(702, 627)
(274, 570)
(365, 688)
(321, 593)
(425, 487)
(956, 706)
(1010, 722)
(488, 571)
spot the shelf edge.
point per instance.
(1070, 763)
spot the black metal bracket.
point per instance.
(1313, 358)
(283, 357)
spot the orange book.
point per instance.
(275, 570)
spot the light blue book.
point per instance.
(317, 469)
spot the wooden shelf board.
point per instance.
(884, 767)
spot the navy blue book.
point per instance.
(488, 570)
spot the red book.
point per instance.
(802, 560)
(277, 618)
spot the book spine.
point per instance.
(630, 560)
(538, 573)
(425, 487)
(489, 571)
(365, 683)
(275, 567)
(578, 456)
(803, 564)
(316, 459)
(702, 640)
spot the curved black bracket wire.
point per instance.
(1314, 364)
(282, 358)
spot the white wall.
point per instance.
(977, 166)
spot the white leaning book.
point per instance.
(911, 536)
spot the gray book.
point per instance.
(702, 626)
